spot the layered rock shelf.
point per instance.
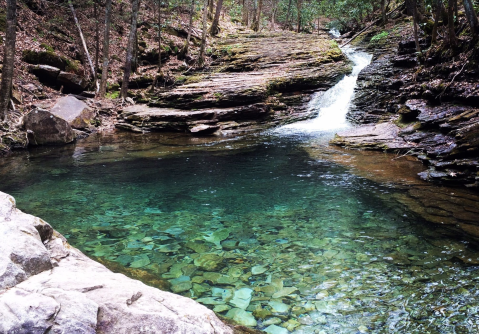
(418, 111)
(247, 87)
(48, 286)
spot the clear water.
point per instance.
(254, 228)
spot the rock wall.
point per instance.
(431, 110)
(48, 286)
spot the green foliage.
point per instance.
(3, 20)
(47, 47)
(379, 37)
(113, 95)
(71, 65)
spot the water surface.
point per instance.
(256, 228)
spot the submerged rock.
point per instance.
(209, 262)
(242, 317)
(79, 294)
(242, 298)
(273, 329)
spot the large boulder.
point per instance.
(69, 293)
(43, 127)
(72, 83)
(44, 58)
(75, 112)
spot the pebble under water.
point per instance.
(260, 233)
(255, 229)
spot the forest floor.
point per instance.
(274, 72)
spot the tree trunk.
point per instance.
(450, 23)
(244, 19)
(273, 14)
(436, 21)
(106, 49)
(471, 17)
(211, 6)
(298, 6)
(82, 38)
(288, 12)
(186, 46)
(410, 4)
(201, 59)
(97, 39)
(134, 59)
(257, 17)
(214, 30)
(159, 35)
(415, 23)
(8, 58)
(129, 50)
(383, 12)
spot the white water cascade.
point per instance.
(333, 105)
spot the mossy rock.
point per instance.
(45, 58)
(194, 78)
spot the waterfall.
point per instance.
(333, 105)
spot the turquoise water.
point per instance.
(255, 229)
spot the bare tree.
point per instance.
(106, 50)
(8, 58)
(415, 23)
(257, 18)
(214, 30)
(129, 50)
(471, 17)
(383, 12)
(97, 37)
(184, 50)
(244, 17)
(159, 36)
(450, 23)
(288, 12)
(211, 7)
(299, 4)
(436, 21)
(201, 59)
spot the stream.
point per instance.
(256, 227)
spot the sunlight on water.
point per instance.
(333, 105)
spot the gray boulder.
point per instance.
(43, 127)
(75, 112)
(67, 292)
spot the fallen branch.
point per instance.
(454, 77)
(82, 39)
(369, 26)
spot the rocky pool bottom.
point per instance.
(256, 229)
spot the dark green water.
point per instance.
(254, 228)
